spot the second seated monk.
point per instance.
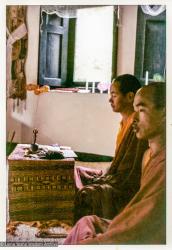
(107, 195)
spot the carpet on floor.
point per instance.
(53, 231)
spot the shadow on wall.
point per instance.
(10, 146)
(89, 157)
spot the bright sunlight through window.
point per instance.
(93, 48)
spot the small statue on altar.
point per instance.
(34, 145)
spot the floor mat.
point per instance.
(51, 232)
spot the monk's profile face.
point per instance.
(119, 102)
(150, 120)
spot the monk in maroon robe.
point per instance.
(143, 220)
(107, 195)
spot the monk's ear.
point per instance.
(130, 97)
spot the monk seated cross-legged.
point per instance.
(143, 219)
(106, 195)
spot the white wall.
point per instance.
(12, 124)
(127, 40)
(83, 121)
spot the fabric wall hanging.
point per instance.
(17, 43)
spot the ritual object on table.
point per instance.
(34, 145)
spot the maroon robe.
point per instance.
(107, 195)
(142, 221)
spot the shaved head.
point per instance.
(155, 92)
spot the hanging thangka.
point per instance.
(17, 42)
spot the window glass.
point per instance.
(94, 44)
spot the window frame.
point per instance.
(142, 22)
(67, 80)
(61, 31)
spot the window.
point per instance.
(53, 50)
(93, 45)
(76, 50)
(150, 45)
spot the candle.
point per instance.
(164, 75)
(146, 78)
(86, 85)
(93, 87)
(109, 88)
